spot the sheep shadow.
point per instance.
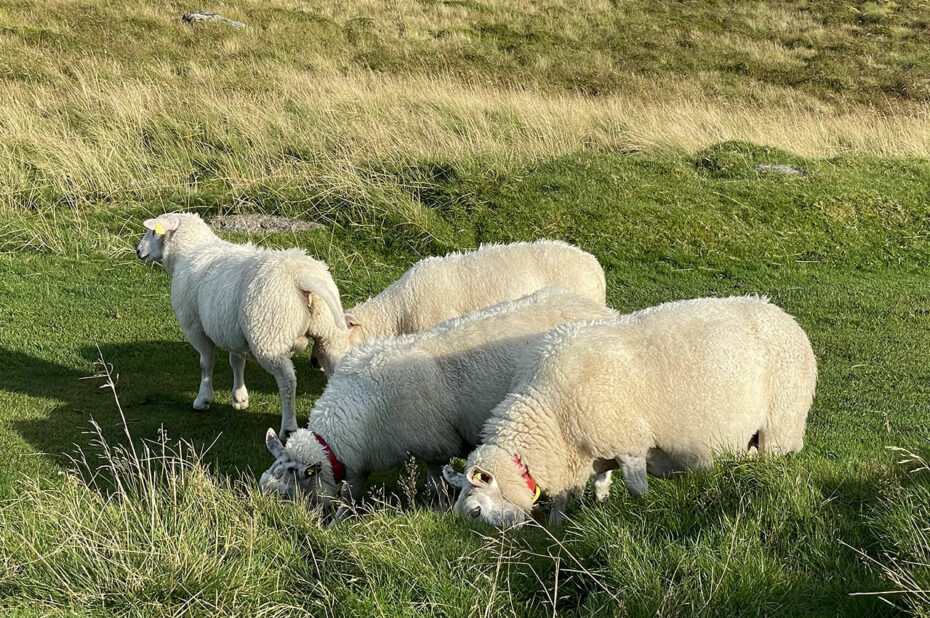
(155, 382)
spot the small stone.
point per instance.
(781, 168)
(196, 17)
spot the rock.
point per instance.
(781, 168)
(196, 17)
(260, 224)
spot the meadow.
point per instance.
(632, 129)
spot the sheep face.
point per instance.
(482, 499)
(327, 353)
(297, 475)
(152, 245)
(328, 350)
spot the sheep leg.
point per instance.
(634, 473)
(557, 510)
(203, 345)
(351, 488)
(240, 395)
(602, 482)
(602, 477)
(283, 371)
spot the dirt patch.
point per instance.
(260, 224)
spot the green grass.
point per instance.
(416, 128)
(844, 249)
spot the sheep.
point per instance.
(673, 384)
(243, 299)
(425, 394)
(438, 288)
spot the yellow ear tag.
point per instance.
(536, 495)
(159, 229)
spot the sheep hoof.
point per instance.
(202, 404)
(240, 405)
(636, 488)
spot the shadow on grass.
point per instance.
(156, 384)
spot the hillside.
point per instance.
(634, 130)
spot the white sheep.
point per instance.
(690, 378)
(426, 394)
(439, 288)
(244, 299)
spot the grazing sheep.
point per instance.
(426, 394)
(440, 288)
(690, 378)
(244, 299)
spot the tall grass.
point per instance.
(905, 526)
(111, 103)
(317, 136)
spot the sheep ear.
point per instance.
(456, 479)
(351, 322)
(273, 443)
(170, 223)
(479, 478)
(162, 224)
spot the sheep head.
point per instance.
(484, 498)
(152, 245)
(329, 350)
(301, 469)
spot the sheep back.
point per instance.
(429, 393)
(693, 378)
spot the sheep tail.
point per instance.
(310, 282)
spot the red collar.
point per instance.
(339, 471)
(525, 473)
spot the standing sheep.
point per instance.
(244, 299)
(690, 378)
(439, 288)
(426, 394)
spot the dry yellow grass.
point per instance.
(102, 103)
(106, 139)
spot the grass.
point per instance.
(843, 248)
(408, 129)
(109, 103)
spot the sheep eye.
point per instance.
(475, 512)
(309, 471)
